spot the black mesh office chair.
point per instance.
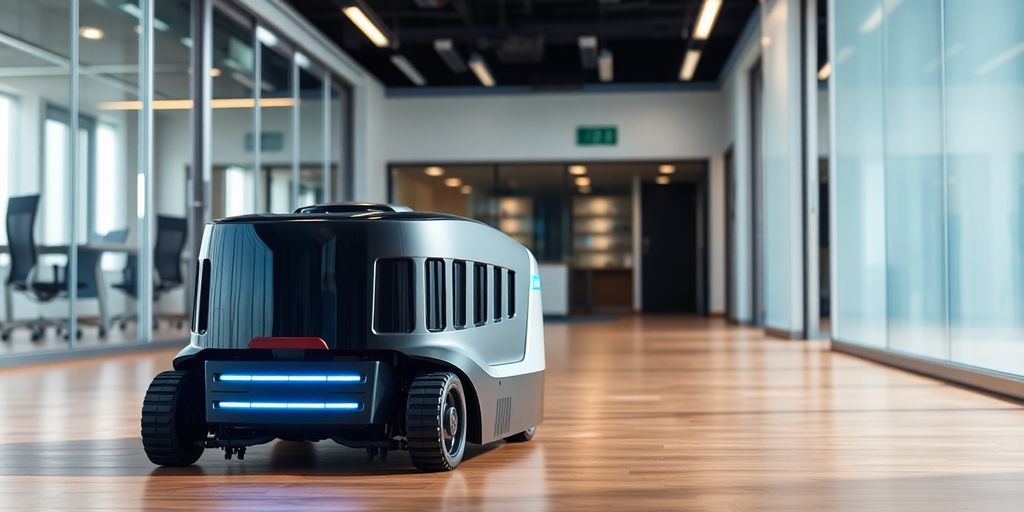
(24, 274)
(171, 235)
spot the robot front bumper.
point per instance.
(278, 393)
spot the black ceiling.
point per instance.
(647, 38)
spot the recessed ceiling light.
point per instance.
(606, 66)
(92, 33)
(577, 170)
(706, 19)
(466, 189)
(689, 65)
(215, 72)
(582, 181)
(434, 170)
(453, 182)
(666, 169)
(366, 25)
(662, 180)
(479, 67)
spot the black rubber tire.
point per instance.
(523, 436)
(426, 410)
(173, 427)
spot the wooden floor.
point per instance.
(644, 413)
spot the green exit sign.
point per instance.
(597, 135)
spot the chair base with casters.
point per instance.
(40, 292)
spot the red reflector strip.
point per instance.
(284, 342)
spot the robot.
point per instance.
(371, 325)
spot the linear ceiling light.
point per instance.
(577, 170)
(408, 70)
(706, 19)
(480, 69)
(588, 51)
(825, 71)
(606, 66)
(445, 49)
(689, 65)
(368, 27)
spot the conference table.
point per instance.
(101, 285)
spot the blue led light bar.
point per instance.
(347, 406)
(238, 377)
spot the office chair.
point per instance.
(24, 273)
(171, 235)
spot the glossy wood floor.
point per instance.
(644, 413)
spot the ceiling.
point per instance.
(535, 42)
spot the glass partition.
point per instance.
(312, 112)
(36, 166)
(277, 103)
(232, 127)
(929, 167)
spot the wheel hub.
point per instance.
(451, 421)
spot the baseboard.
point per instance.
(1003, 384)
(783, 334)
(50, 356)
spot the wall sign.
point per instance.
(597, 135)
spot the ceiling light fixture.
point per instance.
(588, 51)
(480, 69)
(706, 19)
(434, 170)
(453, 182)
(466, 189)
(825, 71)
(663, 180)
(445, 49)
(689, 65)
(301, 60)
(582, 181)
(370, 29)
(215, 72)
(577, 170)
(605, 66)
(92, 33)
(408, 70)
(265, 36)
(667, 169)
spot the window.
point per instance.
(459, 295)
(393, 296)
(511, 294)
(497, 294)
(435, 295)
(479, 294)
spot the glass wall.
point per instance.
(929, 170)
(75, 157)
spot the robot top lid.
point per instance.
(343, 211)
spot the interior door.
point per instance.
(669, 251)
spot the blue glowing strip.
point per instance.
(237, 377)
(348, 406)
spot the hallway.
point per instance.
(641, 413)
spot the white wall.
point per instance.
(532, 127)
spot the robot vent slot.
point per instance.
(435, 294)
(393, 295)
(503, 417)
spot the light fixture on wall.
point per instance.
(445, 49)
(577, 170)
(663, 180)
(408, 70)
(706, 19)
(480, 69)
(666, 169)
(825, 71)
(606, 66)
(91, 33)
(434, 170)
(582, 181)
(588, 51)
(689, 66)
(362, 20)
(453, 182)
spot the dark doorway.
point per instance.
(730, 226)
(671, 277)
(757, 263)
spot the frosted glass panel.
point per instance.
(781, 213)
(914, 212)
(984, 43)
(859, 241)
